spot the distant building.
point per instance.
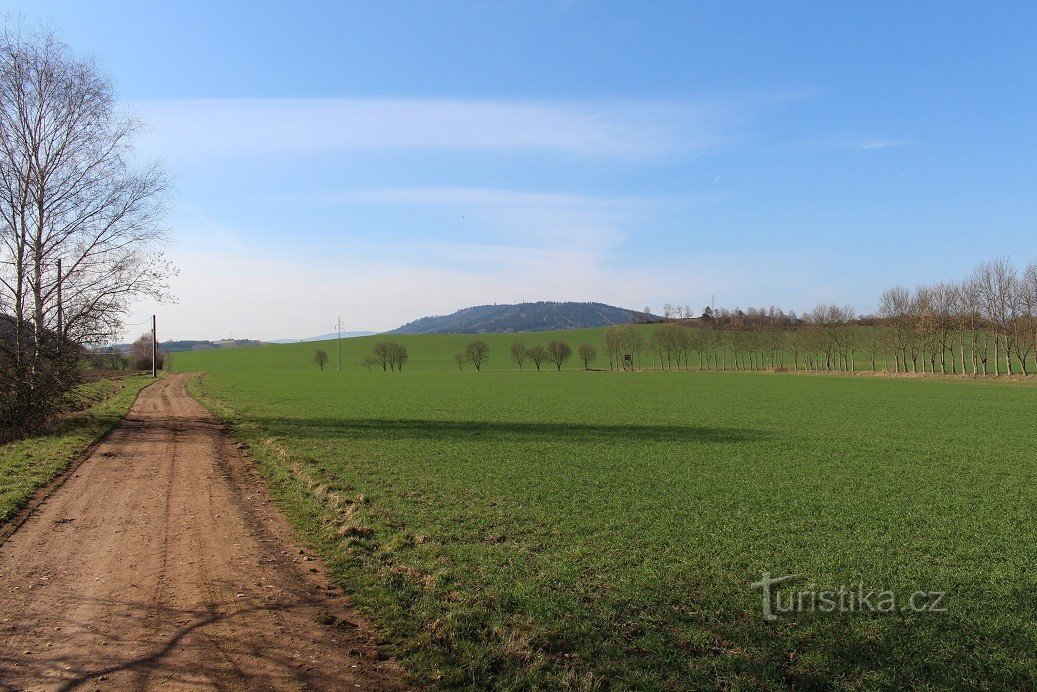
(226, 343)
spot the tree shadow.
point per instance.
(228, 645)
(503, 431)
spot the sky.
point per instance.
(384, 161)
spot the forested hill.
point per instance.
(524, 317)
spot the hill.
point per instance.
(522, 317)
(323, 337)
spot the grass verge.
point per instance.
(29, 464)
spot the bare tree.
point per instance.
(997, 281)
(140, 353)
(519, 353)
(1028, 303)
(537, 355)
(399, 355)
(459, 358)
(612, 341)
(945, 297)
(895, 307)
(390, 355)
(320, 358)
(69, 198)
(588, 354)
(382, 353)
(697, 343)
(559, 352)
(477, 352)
(633, 342)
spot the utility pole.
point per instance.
(154, 349)
(339, 327)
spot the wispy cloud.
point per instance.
(870, 144)
(464, 196)
(623, 129)
(529, 219)
(852, 141)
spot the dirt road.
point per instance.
(160, 563)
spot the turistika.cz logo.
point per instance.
(778, 600)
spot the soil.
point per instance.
(160, 562)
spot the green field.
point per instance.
(26, 465)
(602, 529)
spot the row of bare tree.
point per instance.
(557, 352)
(79, 225)
(985, 324)
(390, 355)
(991, 315)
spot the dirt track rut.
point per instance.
(160, 563)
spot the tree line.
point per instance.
(985, 324)
(390, 356)
(556, 352)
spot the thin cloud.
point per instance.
(854, 142)
(871, 144)
(538, 218)
(626, 129)
(463, 196)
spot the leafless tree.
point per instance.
(459, 358)
(519, 353)
(633, 341)
(69, 197)
(477, 352)
(559, 352)
(537, 355)
(1028, 303)
(140, 353)
(320, 358)
(587, 353)
(997, 282)
(399, 355)
(382, 353)
(895, 307)
(390, 355)
(612, 342)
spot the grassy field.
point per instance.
(602, 529)
(436, 353)
(26, 465)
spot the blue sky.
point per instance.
(384, 161)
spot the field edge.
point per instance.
(94, 424)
